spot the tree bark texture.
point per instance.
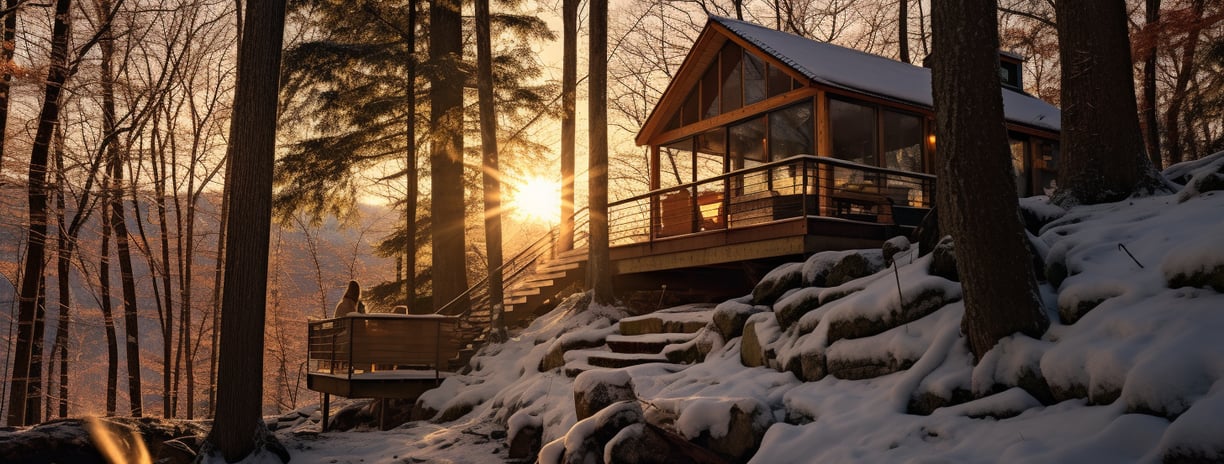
(491, 175)
(252, 144)
(34, 267)
(115, 162)
(599, 264)
(569, 91)
(446, 156)
(410, 167)
(1151, 129)
(1103, 158)
(976, 191)
(7, 48)
(903, 30)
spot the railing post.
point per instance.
(349, 321)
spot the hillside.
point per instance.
(843, 359)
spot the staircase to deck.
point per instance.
(533, 281)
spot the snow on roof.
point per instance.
(850, 69)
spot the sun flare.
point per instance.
(537, 199)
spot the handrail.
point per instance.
(537, 245)
(768, 166)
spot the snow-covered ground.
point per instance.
(1129, 371)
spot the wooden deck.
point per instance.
(793, 207)
(379, 355)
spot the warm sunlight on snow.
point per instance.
(536, 199)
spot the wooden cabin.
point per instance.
(768, 144)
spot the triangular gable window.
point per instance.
(736, 78)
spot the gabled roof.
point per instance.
(849, 69)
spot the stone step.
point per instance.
(683, 319)
(647, 343)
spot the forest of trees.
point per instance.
(115, 117)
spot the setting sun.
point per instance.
(536, 199)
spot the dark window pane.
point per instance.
(747, 144)
(732, 88)
(790, 131)
(676, 163)
(902, 141)
(689, 111)
(853, 130)
(709, 92)
(779, 81)
(754, 79)
(711, 148)
(1047, 167)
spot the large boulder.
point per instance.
(777, 282)
(1208, 176)
(730, 316)
(893, 246)
(596, 389)
(695, 350)
(943, 263)
(790, 309)
(914, 307)
(525, 434)
(760, 331)
(1199, 263)
(648, 444)
(732, 428)
(854, 266)
(586, 440)
(69, 440)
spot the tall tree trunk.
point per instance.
(108, 313)
(1103, 157)
(1151, 124)
(976, 193)
(569, 92)
(491, 174)
(410, 165)
(598, 261)
(252, 144)
(33, 268)
(903, 29)
(7, 48)
(218, 290)
(446, 156)
(115, 162)
(63, 258)
(1177, 100)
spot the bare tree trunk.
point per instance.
(1103, 157)
(488, 141)
(1185, 73)
(252, 142)
(410, 165)
(569, 92)
(599, 264)
(118, 221)
(6, 76)
(34, 266)
(1151, 124)
(976, 193)
(446, 156)
(108, 314)
(903, 30)
(218, 292)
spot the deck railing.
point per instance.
(391, 343)
(796, 187)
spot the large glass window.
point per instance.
(732, 87)
(754, 79)
(690, 110)
(711, 150)
(779, 81)
(747, 145)
(853, 130)
(676, 163)
(1047, 167)
(791, 131)
(709, 93)
(902, 141)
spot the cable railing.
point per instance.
(474, 319)
(796, 187)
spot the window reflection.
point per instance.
(902, 141)
(853, 130)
